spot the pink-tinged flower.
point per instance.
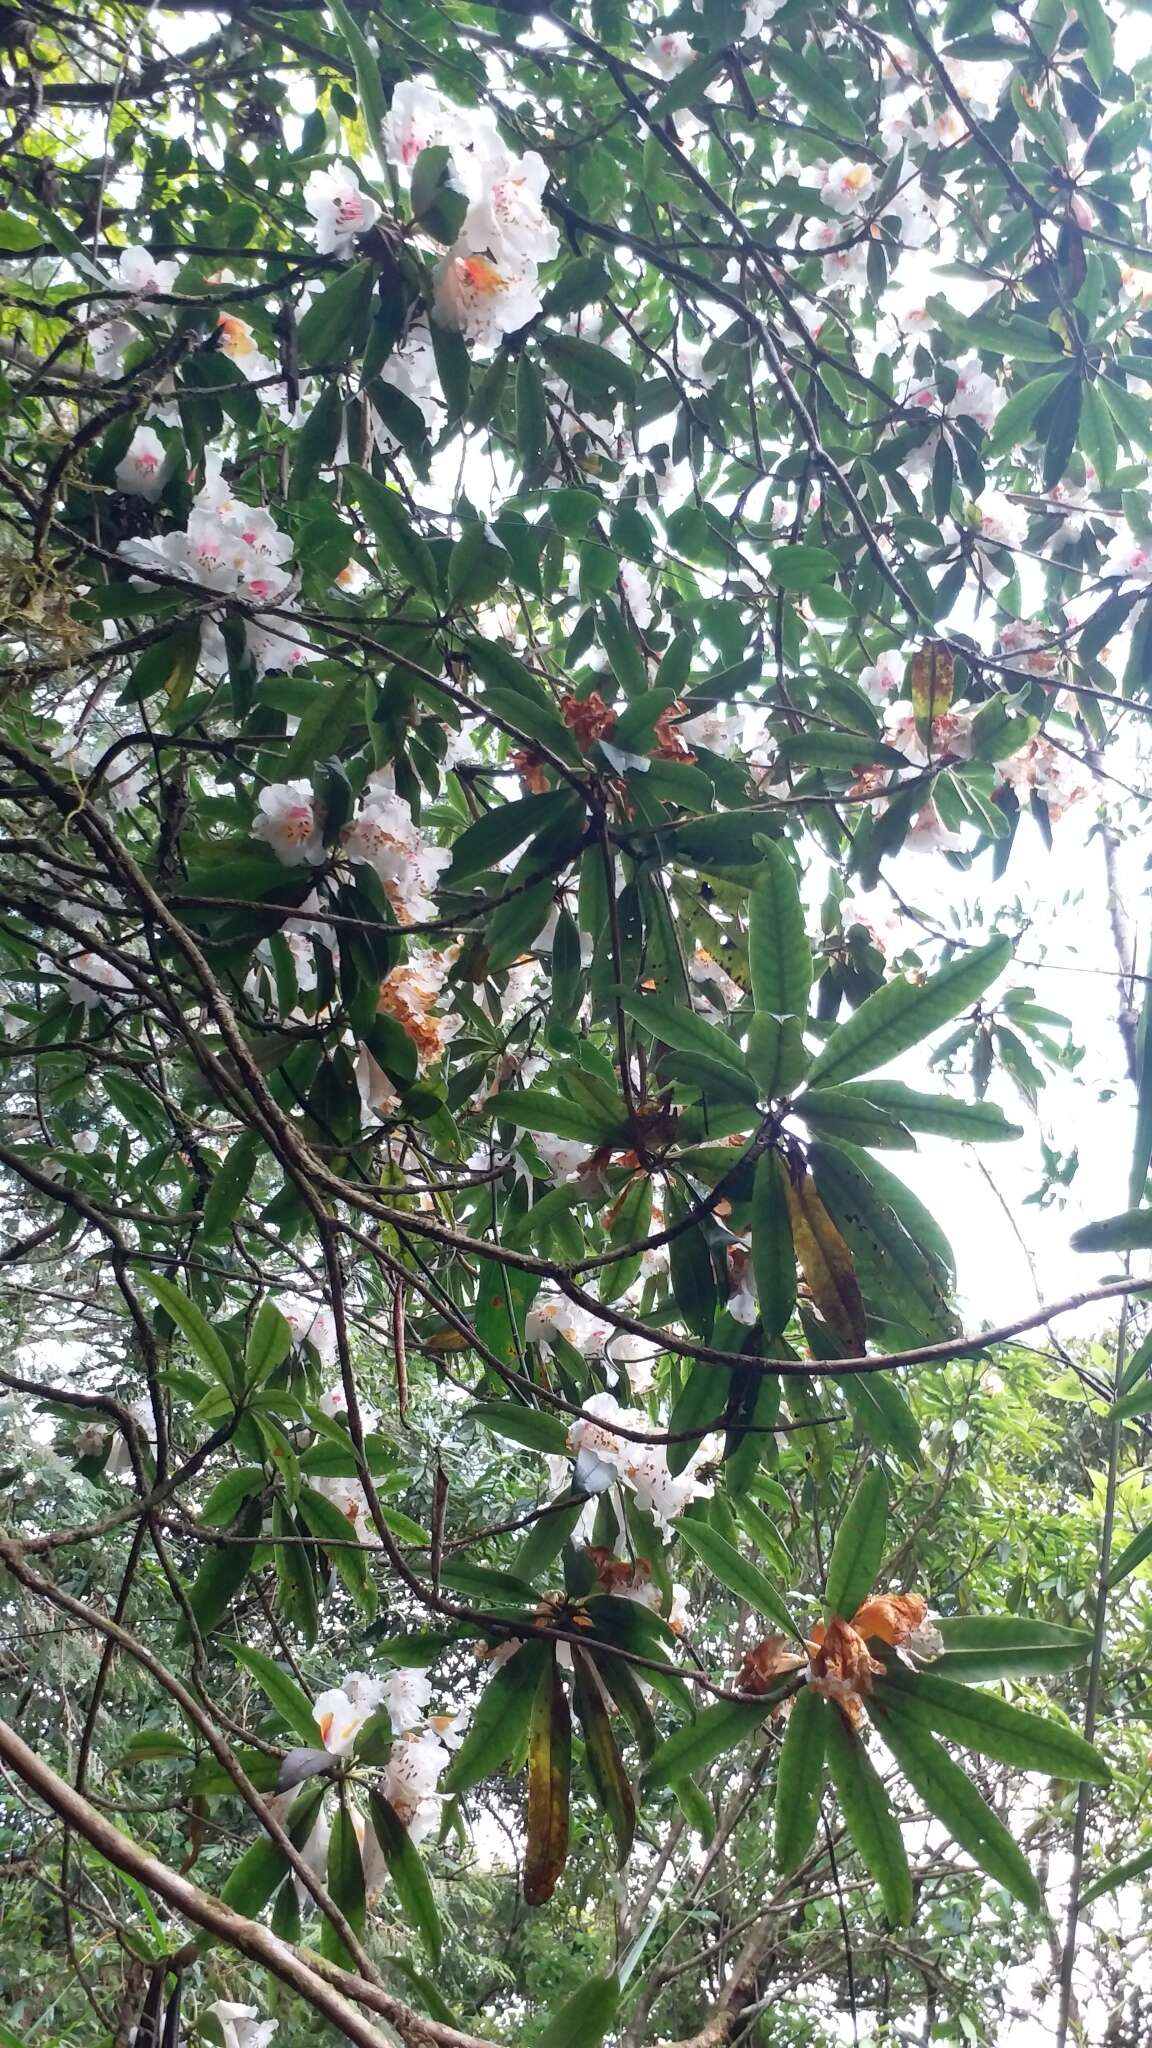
(378, 1097)
(239, 344)
(929, 834)
(883, 677)
(977, 396)
(417, 119)
(385, 837)
(287, 823)
(1041, 767)
(139, 271)
(505, 216)
(310, 1323)
(340, 210)
(482, 302)
(844, 185)
(998, 521)
(241, 2025)
(142, 471)
(1130, 557)
(92, 980)
(1027, 648)
(409, 994)
(563, 1157)
(668, 55)
(554, 1317)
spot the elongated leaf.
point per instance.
(367, 80)
(406, 1869)
(859, 1547)
(549, 1776)
(779, 955)
(694, 1747)
(255, 1877)
(500, 1719)
(903, 1013)
(1120, 1873)
(900, 1282)
(345, 1876)
(269, 1344)
(982, 1721)
(610, 1780)
(955, 1802)
(682, 1029)
(222, 1574)
(980, 1647)
(194, 1327)
(1127, 1233)
(537, 1109)
(773, 1252)
(826, 1264)
(738, 1573)
(617, 1676)
(1142, 1140)
(844, 1113)
(868, 1816)
(800, 1779)
(585, 2018)
(532, 1427)
(944, 1116)
(350, 1562)
(230, 1183)
(291, 1703)
(1133, 1554)
(398, 542)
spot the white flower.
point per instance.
(241, 2025)
(287, 822)
(384, 835)
(929, 834)
(669, 54)
(406, 1694)
(885, 675)
(505, 216)
(139, 271)
(598, 1451)
(679, 1614)
(554, 1318)
(719, 731)
(410, 1780)
(93, 980)
(1130, 558)
(635, 1355)
(977, 396)
(998, 521)
(238, 343)
(844, 185)
(340, 209)
(310, 1324)
(757, 15)
(341, 1712)
(635, 587)
(142, 471)
(563, 1157)
(409, 993)
(482, 302)
(417, 119)
(743, 1303)
(349, 1496)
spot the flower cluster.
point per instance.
(487, 285)
(237, 550)
(420, 1748)
(605, 1459)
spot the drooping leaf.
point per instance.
(407, 1872)
(981, 1721)
(773, 1251)
(868, 1816)
(609, 1778)
(501, 1717)
(955, 1802)
(737, 1572)
(826, 1263)
(800, 1779)
(549, 1776)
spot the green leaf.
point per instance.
(738, 1573)
(532, 1427)
(773, 1252)
(335, 325)
(498, 1725)
(222, 1574)
(368, 84)
(626, 661)
(816, 86)
(1099, 55)
(899, 1278)
(903, 1013)
(1130, 1232)
(194, 1327)
(714, 1731)
(944, 1116)
(859, 1547)
(869, 1818)
(670, 1024)
(531, 413)
(406, 1869)
(1142, 1140)
(290, 1702)
(1016, 417)
(955, 1802)
(501, 830)
(269, 1344)
(848, 1113)
(398, 542)
(585, 2018)
(1120, 1873)
(255, 1877)
(981, 1647)
(779, 955)
(1133, 1554)
(348, 1559)
(536, 1109)
(800, 1779)
(345, 1880)
(231, 1181)
(610, 1781)
(981, 1721)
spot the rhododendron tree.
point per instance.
(573, 582)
